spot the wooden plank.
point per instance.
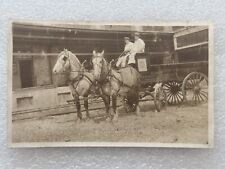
(189, 30)
(17, 54)
(81, 28)
(191, 46)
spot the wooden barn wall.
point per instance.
(42, 74)
(192, 38)
(194, 54)
(16, 81)
(195, 46)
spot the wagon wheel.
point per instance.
(174, 93)
(160, 98)
(195, 88)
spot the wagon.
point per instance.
(180, 82)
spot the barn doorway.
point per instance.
(26, 73)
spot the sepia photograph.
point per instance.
(110, 84)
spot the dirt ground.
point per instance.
(176, 124)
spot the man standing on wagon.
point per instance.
(138, 47)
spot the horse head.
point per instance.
(98, 63)
(66, 62)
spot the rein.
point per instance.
(110, 75)
(120, 81)
(107, 74)
(80, 76)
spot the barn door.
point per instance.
(26, 73)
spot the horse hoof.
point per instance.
(156, 111)
(138, 113)
(115, 118)
(108, 119)
(78, 120)
(87, 119)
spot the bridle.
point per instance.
(109, 75)
(81, 73)
(101, 70)
(69, 69)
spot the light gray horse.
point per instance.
(113, 83)
(80, 81)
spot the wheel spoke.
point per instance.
(198, 99)
(167, 89)
(204, 91)
(203, 94)
(173, 100)
(169, 96)
(180, 92)
(193, 97)
(192, 81)
(201, 97)
(177, 99)
(179, 95)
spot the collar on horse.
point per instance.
(75, 82)
(81, 74)
(120, 81)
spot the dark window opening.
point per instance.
(26, 73)
(195, 54)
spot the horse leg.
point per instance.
(86, 107)
(77, 102)
(137, 111)
(106, 100)
(114, 103)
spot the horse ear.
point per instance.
(110, 63)
(94, 52)
(102, 52)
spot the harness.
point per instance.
(121, 82)
(76, 81)
(109, 76)
(106, 78)
(81, 75)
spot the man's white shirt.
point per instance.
(132, 48)
(138, 47)
(128, 47)
(122, 60)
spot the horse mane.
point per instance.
(73, 59)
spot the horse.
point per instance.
(80, 80)
(112, 83)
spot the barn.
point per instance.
(36, 46)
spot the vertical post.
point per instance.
(50, 67)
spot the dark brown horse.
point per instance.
(114, 83)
